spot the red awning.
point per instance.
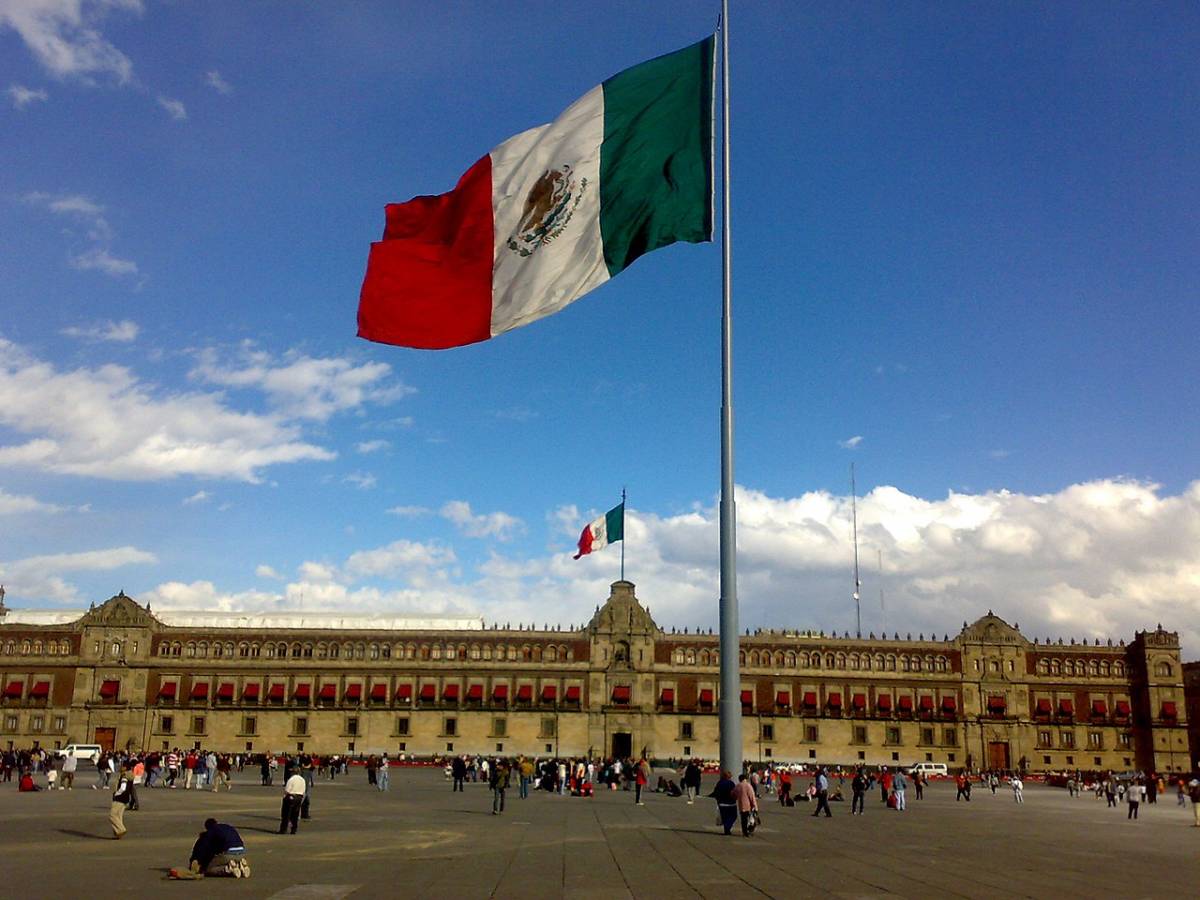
(379, 692)
(573, 693)
(167, 689)
(783, 698)
(706, 697)
(500, 692)
(1099, 708)
(884, 701)
(949, 704)
(475, 692)
(303, 691)
(41, 689)
(276, 692)
(525, 692)
(835, 700)
(747, 698)
(328, 692)
(450, 692)
(1168, 709)
(549, 693)
(110, 689)
(622, 693)
(859, 701)
(250, 691)
(997, 702)
(225, 691)
(354, 691)
(1066, 707)
(1043, 707)
(14, 689)
(404, 693)
(904, 702)
(668, 697)
(428, 693)
(810, 699)
(926, 702)
(1123, 708)
(199, 690)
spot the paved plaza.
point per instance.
(420, 840)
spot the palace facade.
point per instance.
(120, 675)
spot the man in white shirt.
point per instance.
(1136, 792)
(293, 796)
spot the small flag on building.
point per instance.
(605, 530)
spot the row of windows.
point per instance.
(198, 725)
(1096, 668)
(37, 647)
(37, 723)
(1095, 740)
(791, 659)
(363, 650)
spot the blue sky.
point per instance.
(964, 257)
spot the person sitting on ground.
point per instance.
(25, 783)
(673, 790)
(218, 851)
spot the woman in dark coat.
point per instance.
(726, 802)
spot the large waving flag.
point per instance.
(598, 534)
(551, 213)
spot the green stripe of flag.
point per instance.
(614, 523)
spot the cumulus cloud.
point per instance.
(498, 525)
(265, 571)
(120, 332)
(851, 443)
(18, 504)
(41, 577)
(133, 430)
(62, 36)
(215, 81)
(302, 386)
(174, 108)
(22, 96)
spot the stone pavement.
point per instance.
(420, 840)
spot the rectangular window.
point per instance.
(926, 736)
(685, 731)
(352, 725)
(166, 724)
(249, 725)
(950, 737)
(893, 734)
(1096, 740)
(1124, 740)
(36, 723)
(301, 723)
(811, 735)
(402, 725)
(1066, 739)
(198, 725)
(10, 723)
(60, 724)
(450, 726)
(949, 757)
(1044, 739)
(499, 727)
(860, 734)
(768, 732)
(548, 728)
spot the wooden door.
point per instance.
(106, 737)
(998, 755)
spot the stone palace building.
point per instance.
(121, 675)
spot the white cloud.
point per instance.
(217, 83)
(398, 558)
(175, 108)
(40, 577)
(364, 481)
(23, 96)
(106, 423)
(302, 386)
(265, 571)
(120, 332)
(499, 525)
(851, 443)
(365, 447)
(18, 504)
(100, 259)
(61, 35)
(409, 511)
(198, 497)
(89, 214)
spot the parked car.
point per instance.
(929, 769)
(90, 752)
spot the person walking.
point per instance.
(498, 782)
(727, 807)
(70, 764)
(885, 784)
(293, 796)
(1018, 788)
(747, 804)
(1194, 793)
(964, 787)
(822, 786)
(122, 795)
(858, 787)
(691, 781)
(899, 787)
(526, 770)
(919, 782)
(458, 768)
(1137, 791)
(1110, 791)
(382, 777)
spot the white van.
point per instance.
(929, 769)
(89, 752)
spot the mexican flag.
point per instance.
(605, 530)
(551, 213)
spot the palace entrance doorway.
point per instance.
(622, 745)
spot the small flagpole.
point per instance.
(730, 719)
(622, 534)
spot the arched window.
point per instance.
(360, 651)
(779, 659)
(1055, 667)
(526, 653)
(916, 664)
(512, 653)
(1093, 667)
(164, 649)
(691, 657)
(904, 664)
(308, 651)
(551, 654)
(879, 663)
(254, 649)
(537, 654)
(322, 650)
(791, 659)
(177, 649)
(1119, 669)
(52, 648)
(742, 657)
(853, 660)
(281, 650)
(569, 656)
(487, 651)
(840, 660)
(829, 661)
(385, 651)
(475, 654)
(218, 651)
(1163, 670)
(190, 651)
(243, 649)
(423, 651)
(435, 652)
(1105, 668)
(891, 663)
(373, 651)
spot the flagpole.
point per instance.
(730, 721)
(622, 534)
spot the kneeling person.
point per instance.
(218, 851)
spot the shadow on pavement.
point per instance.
(84, 834)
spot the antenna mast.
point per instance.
(857, 582)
